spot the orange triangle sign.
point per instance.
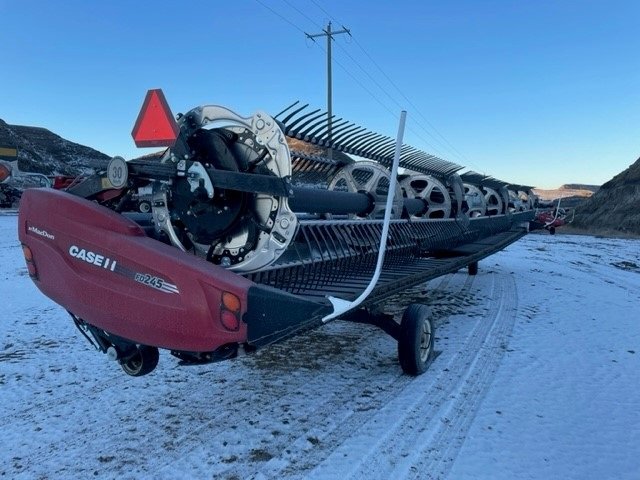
(155, 126)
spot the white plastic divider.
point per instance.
(556, 215)
(341, 306)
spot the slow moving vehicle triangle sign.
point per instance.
(155, 125)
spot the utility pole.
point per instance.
(329, 34)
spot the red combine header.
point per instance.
(244, 242)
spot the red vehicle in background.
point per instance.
(62, 182)
(552, 218)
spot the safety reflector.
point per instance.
(28, 254)
(155, 126)
(231, 302)
(229, 321)
(5, 172)
(31, 267)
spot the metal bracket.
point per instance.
(195, 174)
(251, 182)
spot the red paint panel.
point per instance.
(101, 266)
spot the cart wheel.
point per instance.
(143, 360)
(144, 206)
(552, 230)
(473, 268)
(415, 342)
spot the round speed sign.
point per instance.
(117, 172)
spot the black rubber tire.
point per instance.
(473, 268)
(143, 361)
(144, 206)
(416, 339)
(552, 230)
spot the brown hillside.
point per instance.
(562, 192)
(42, 151)
(615, 207)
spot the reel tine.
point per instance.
(324, 138)
(353, 142)
(292, 125)
(368, 147)
(310, 124)
(291, 115)
(345, 133)
(385, 146)
(289, 107)
(312, 133)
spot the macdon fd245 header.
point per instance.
(248, 241)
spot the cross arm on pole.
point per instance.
(327, 32)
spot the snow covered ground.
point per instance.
(538, 377)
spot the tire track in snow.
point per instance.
(445, 443)
(301, 456)
(361, 393)
(200, 420)
(354, 400)
(386, 443)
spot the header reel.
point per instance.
(233, 227)
(229, 190)
(432, 191)
(373, 180)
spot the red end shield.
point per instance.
(115, 291)
(155, 126)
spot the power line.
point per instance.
(373, 79)
(281, 16)
(348, 72)
(366, 72)
(325, 12)
(407, 99)
(302, 13)
(456, 151)
(394, 114)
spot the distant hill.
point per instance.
(42, 151)
(615, 207)
(570, 196)
(580, 186)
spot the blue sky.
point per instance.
(538, 92)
